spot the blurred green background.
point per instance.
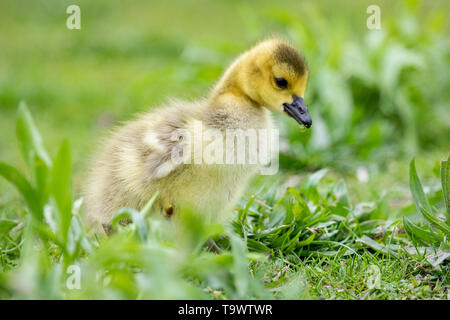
(377, 97)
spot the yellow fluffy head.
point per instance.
(272, 72)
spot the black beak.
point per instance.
(298, 111)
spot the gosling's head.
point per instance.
(274, 75)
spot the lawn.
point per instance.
(358, 210)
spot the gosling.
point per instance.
(136, 161)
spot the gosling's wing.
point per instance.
(161, 158)
(166, 139)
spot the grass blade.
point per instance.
(435, 221)
(306, 241)
(445, 180)
(419, 198)
(420, 233)
(254, 245)
(21, 183)
(376, 246)
(61, 185)
(145, 211)
(30, 141)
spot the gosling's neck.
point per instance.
(229, 91)
(230, 107)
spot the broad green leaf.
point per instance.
(376, 246)
(420, 233)
(328, 244)
(445, 180)
(42, 176)
(33, 152)
(30, 141)
(21, 183)
(441, 225)
(415, 186)
(61, 186)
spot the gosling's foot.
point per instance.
(212, 246)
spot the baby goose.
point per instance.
(136, 161)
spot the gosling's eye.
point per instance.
(281, 83)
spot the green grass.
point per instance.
(314, 230)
